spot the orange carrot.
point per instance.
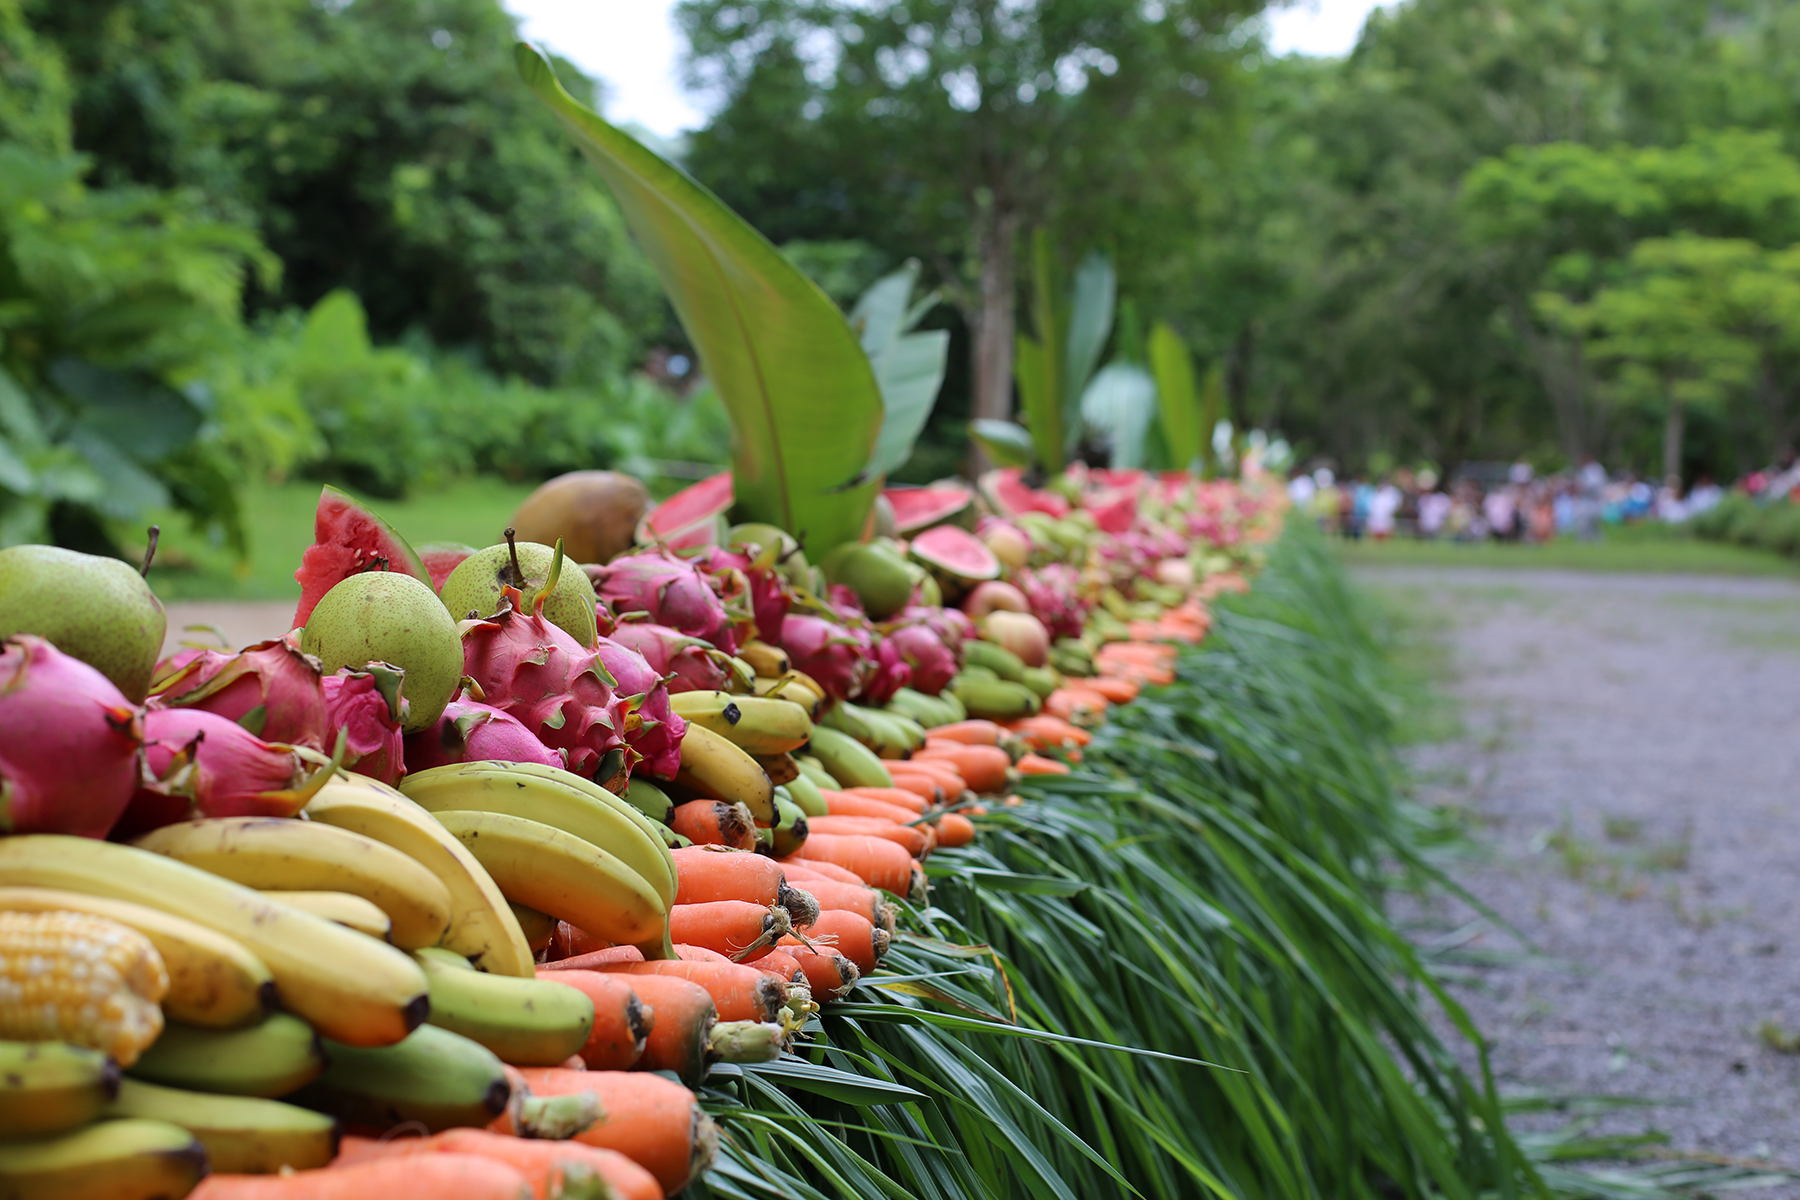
(830, 973)
(954, 829)
(983, 768)
(782, 966)
(941, 769)
(1119, 691)
(843, 804)
(1037, 764)
(898, 797)
(739, 993)
(464, 1176)
(685, 1016)
(1068, 701)
(541, 1162)
(714, 823)
(738, 929)
(856, 938)
(865, 902)
(1044, 731)
(1144, 651)
(652, 1121)
(698, 954)
(802, 869)
(911, 838)
(570, 940)
(970, 733)
(920, 783)
(621, 1020)
(874, 861)
(707, 873)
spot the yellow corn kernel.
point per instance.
(72, 977)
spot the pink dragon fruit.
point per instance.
(470, 731)
(553, 685)
(925, 650)
(767, 592)
(952, 625)
(673, 591)
(689, 664)
(271, 689)
(837, 655)
(365, 707)
(660, 729)
(58, 713)
(200, 764)
(1054, 593)
(847, 603)
(892, 672)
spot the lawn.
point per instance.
(280, 520)
(1650, 548)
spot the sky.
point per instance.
(633, 47)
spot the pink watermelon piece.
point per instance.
(1007, 490)
(1114, 509)
(956, 552)
(347, 540)
(1108, 477)
(689, 520)
(441, 558)
(918, 508)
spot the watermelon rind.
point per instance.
(348, 537)
(692, 518)
(955, 552)
(919, 508)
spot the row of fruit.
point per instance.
(498, 848)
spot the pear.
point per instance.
(875, 572)
(388, 616)
(96, 609)
(790, 562)
(474, 586)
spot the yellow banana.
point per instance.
(243, 1135)
(213, 981)
(716, 769)
(482, 927)
(345, 908)
(539, 927)
(352, 988)
(790, 688)
(52, 1087)
(556, 873)
(109, 1160)
(758, 725)
(280, 854)
(769, 662)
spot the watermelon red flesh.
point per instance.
(1009, 494)
(918, 508)
(689, 519)
(1113, 510)
(347, 539)
(956, 551)
(441, 558)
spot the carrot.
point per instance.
(898, 797)
(571, 940)
(803, 869)
(698, 954)
(1037, 764)
(954, 829)
(940, 769)
(714, 823)
(782, 966)
(543, 1163)
(684, 1015)
(464, 1176)
(970, 733)
(1151, 651)
(708, 873)
(830, 973)
(1119, 691)
(843, 804)
(738, 929)
(1044, 731)
(911, 838)
(919, 783)
(738, 992)
(983, 768)
(652, 1121)
(865, 902)
(874, 861)
(622, 1021)
(856, 938)
(1068, 701)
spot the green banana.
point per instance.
(972, 671)
(851, 719)
(111, 1160)
(268, 1059)
(437, 1078)
(813, 769)
(998, 659)
(758, 725)
(650, 800)
(52, 1087)
(850, 763)
(789, 833)
(242, 1135)
(928, 711)
(805, 793)
(527, 1022)
(997, 699)
(1042, 680)
(893, 734)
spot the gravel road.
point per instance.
(1629, 771)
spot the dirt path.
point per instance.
(242, 622)
(1629, 763)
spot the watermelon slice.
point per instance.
(1110, 477)
(956, 552)
(917, 508)
(692, 518)
(1113, 509)
(441, 558)
(347, 539)
(1007, 490)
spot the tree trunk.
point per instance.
(1673, 427)
(995, 322)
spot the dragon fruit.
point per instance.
(925, 650)
(470, 731)
(952, 625)
(1054, 593)
(689, 664)
(838, 656)
(365, 707)
(892, 672)
(847, 603)
(557, 688)
(660, 729)
(673, 591)
(200, 764)
(766, 591)
(55, 711)
(271, 689)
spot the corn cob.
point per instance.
(72, 977)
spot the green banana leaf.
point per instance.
(1007, 444)
(1176, 400)
(805, 406)
(1090, 320)
(1120, 401)
(1038, 361)
(909, 366)
(1212, 411)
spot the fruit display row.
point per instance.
(465, 884)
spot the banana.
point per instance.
(780, 768)
(242, 1135)
(527, 1022)
(650, 800)
(790, 831)
(345, 908)
(437, 1078)
(813, 769)
(894, 736)
(112, 1160)
(804, 792)
(928, 711)
(997, 699)
(351, 987)
(849, 762)
(851, 719)
(769, 662)
(548, 801)
(539, 929)
(665, 884)
(52, 1087)
(998, 659)
(213, 980)
(718, 770)
(279, 854)
(270, 1059)
(790, 688)
(759, 725)
(482, 928)
(558, 873)
(1042, 680)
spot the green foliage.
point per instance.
(1184, 432)
(908, 363)
(1769, 525)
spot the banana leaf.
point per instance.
(909, 366)
(1007, 444)
(1038, 361)
(1120, 401)
(1090, 321)
(1212, 411)
(1178, 405)
(805, 406)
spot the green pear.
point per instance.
(96, 609)
(474, 586)
(390, 617)
(875, 572)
